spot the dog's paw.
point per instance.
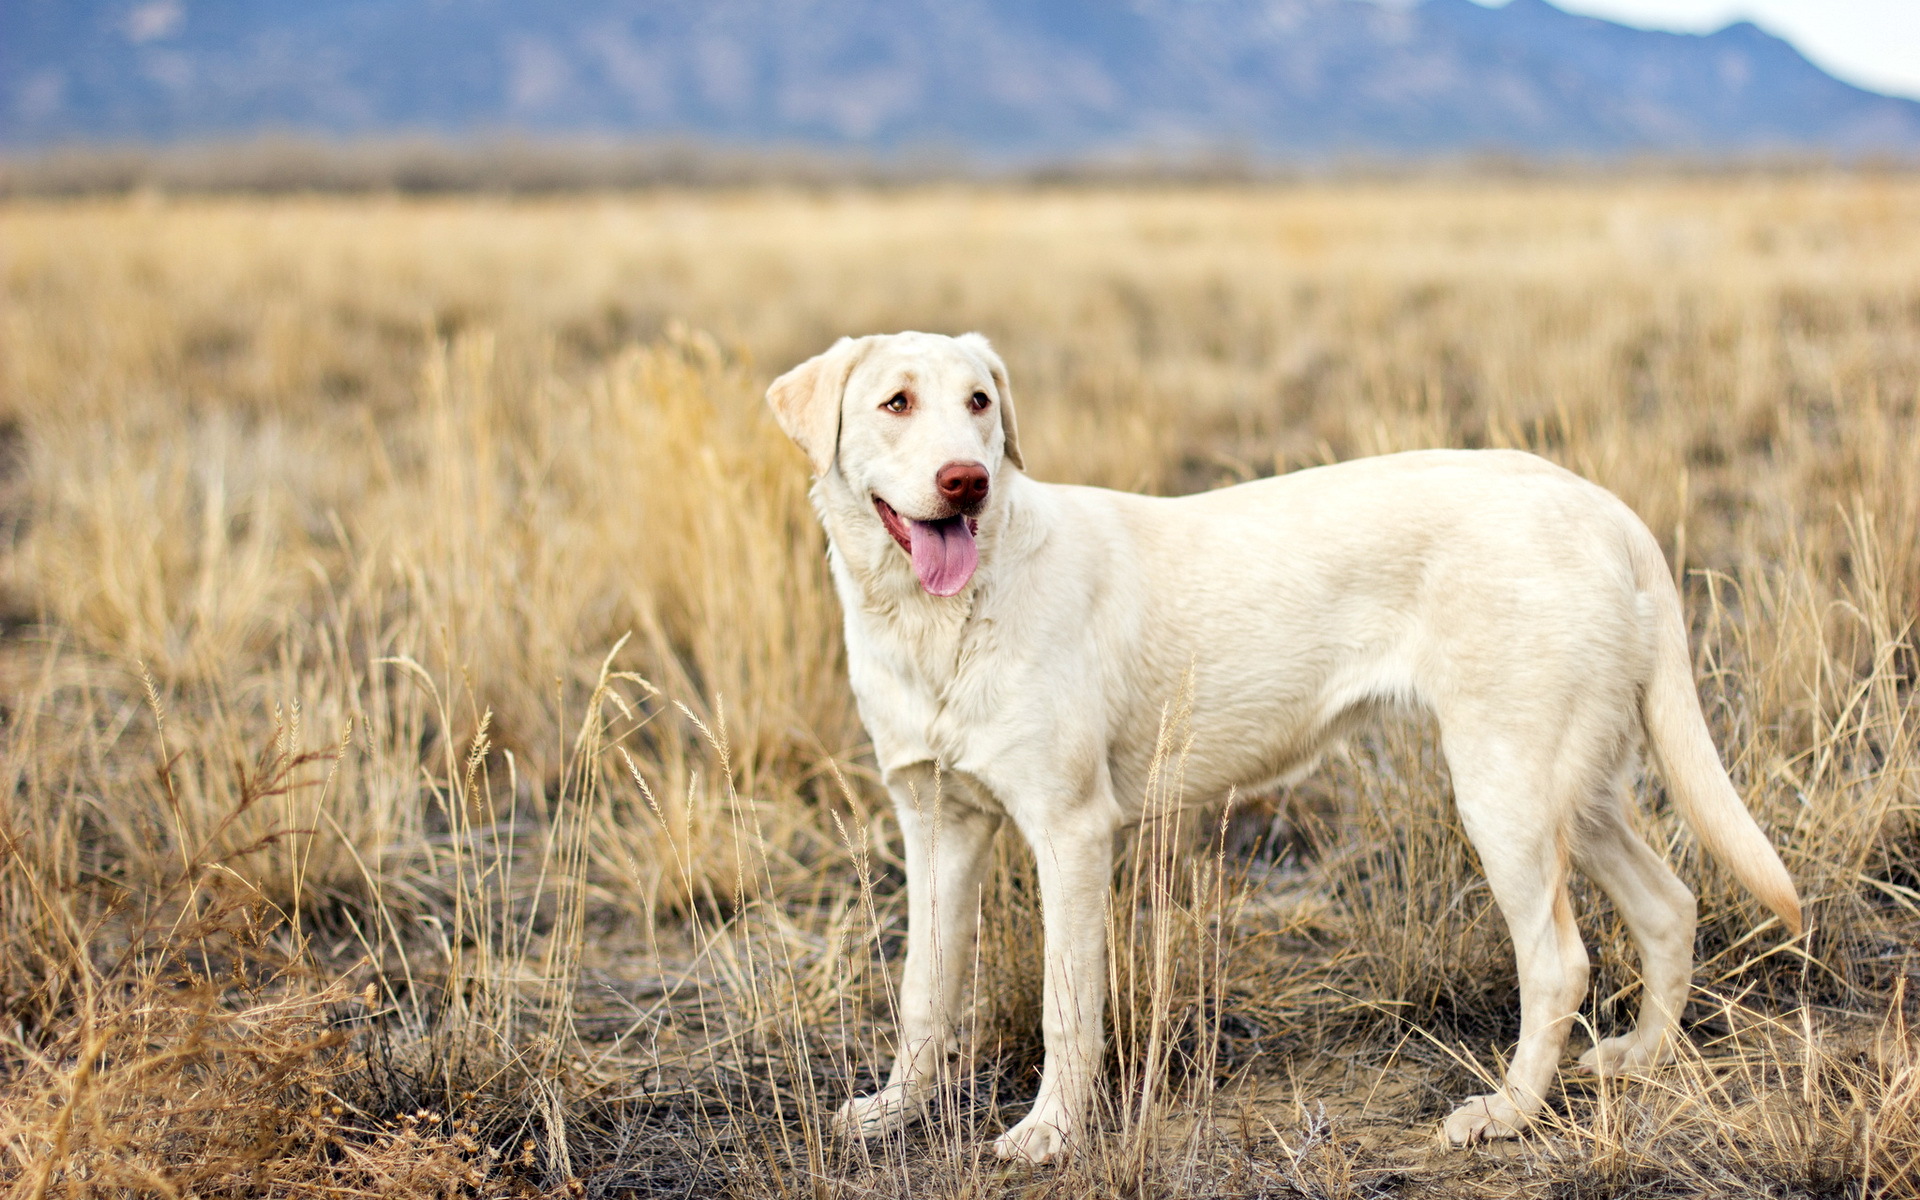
(1624, 1055)
(1483, 1119)
(870, 1116)
(1040, 1138)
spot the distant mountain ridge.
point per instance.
(994, 79)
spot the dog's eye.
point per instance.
(898, 404)
(979, 402)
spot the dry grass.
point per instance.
(428, 767)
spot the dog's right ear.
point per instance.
(806, 400)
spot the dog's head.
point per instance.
(918, 427)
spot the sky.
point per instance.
(1871, 43)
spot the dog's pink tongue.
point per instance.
(944, 555)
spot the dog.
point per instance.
(1012, 644)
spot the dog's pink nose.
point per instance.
(964, 484)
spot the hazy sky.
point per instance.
(1872, 43)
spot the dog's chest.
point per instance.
(916, 676)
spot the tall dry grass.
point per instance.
(429, 766)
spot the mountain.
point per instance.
(992, 79)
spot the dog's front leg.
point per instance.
(1073, 858)
(946, 852)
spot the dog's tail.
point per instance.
(1677, 731)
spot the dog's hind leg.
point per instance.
(947, 843)
(1506, 803)
(1659, 912)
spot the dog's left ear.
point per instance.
(806, 400)
(981, 346)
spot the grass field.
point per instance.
(430, 768)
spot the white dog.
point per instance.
(1021, 639)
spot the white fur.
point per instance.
(1529, 610)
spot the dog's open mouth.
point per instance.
(943, 552)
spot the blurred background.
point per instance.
(418, 94)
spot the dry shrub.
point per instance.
(1793, 1109)
(161, 1091)
(165, 1090)
(174, 1042)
